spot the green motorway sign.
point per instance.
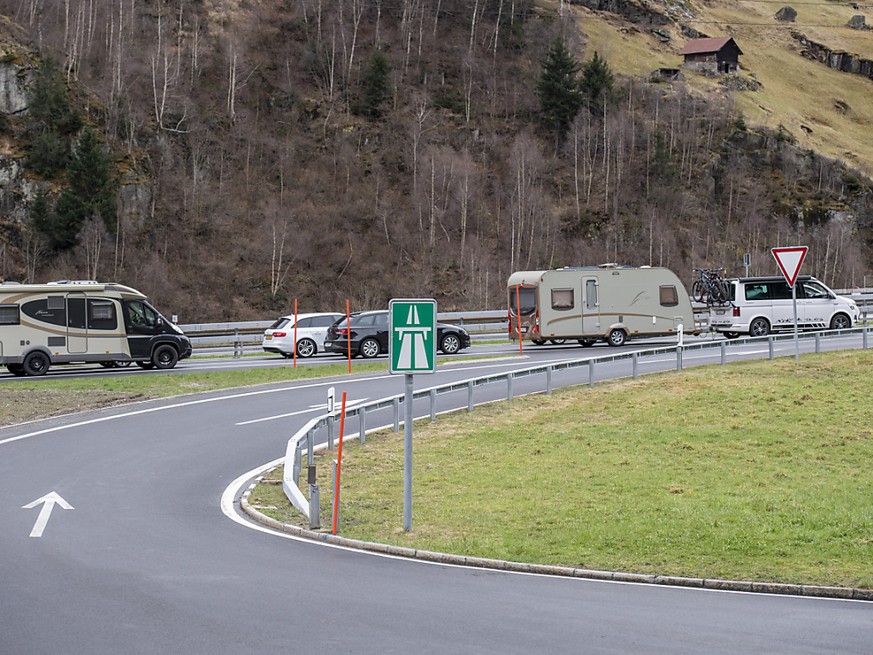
(412, 336)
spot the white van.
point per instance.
(760, 305)
(310, 333)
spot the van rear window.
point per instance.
(9, 315)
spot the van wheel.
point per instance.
(538, 342)
(36, 363)
(841, 322)
(165, 357)
(558, 342)
(369, 348)
(759, 327)
(16, 369)
(306, 348)
(145, 365)
(586, 343)
(616, 338)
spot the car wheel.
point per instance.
(36, 363)
(586, 343)
(369, 348)
(16, 369)
(450, 344)
(558, 342)
(145, 365)
(616, 338)
(165, 357)
(538, 342)
(731, 335)
(759, 327)
(841, 322)
(306, 348)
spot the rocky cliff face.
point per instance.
(836, 59)
(13, 101)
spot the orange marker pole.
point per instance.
(518, 318)
(349, 334)
(339, 464)
(295, 333)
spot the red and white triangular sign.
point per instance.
(790, 260)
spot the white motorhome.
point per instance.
(589, 303)
(759, 305)
(91, 322)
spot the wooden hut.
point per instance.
(719, 55)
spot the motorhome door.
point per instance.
(590, 306)
(77, 326)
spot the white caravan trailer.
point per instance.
(609, 302)
(72, 322)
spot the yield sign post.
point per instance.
(412, 340)
(790, 259)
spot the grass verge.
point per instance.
(748, 471)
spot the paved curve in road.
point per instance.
(145, 561)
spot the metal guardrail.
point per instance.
(303, 441)
(482, 322)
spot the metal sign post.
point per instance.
(411, 349)
(789, 260)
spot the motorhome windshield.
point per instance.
(526, 299)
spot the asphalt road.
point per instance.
(145, 561)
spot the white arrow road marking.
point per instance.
(49, 501)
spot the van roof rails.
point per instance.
(75, 282)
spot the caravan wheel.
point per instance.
(616, 338)
(16, 369)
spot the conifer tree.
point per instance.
(50, 120)
(596, 84)
(91, 192)
(558, 89)
(376, 85)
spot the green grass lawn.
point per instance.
(750, 471)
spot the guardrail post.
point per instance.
(770, 346)
(549, 380)
(509, 386)
(432, 405)
(817, 342)
(397, 414)
(237, 345)
(678, 358)
(330, 432)
(470, 396)
(590, 372)
(864, 336)
(635, 361)
(314, 507)
(310, 446)
(723, 353)
(362, 424)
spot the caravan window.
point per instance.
(101, 315)
(591, 294)
(527, 298)
(9, 315)
(562, 299)
(669, 295)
